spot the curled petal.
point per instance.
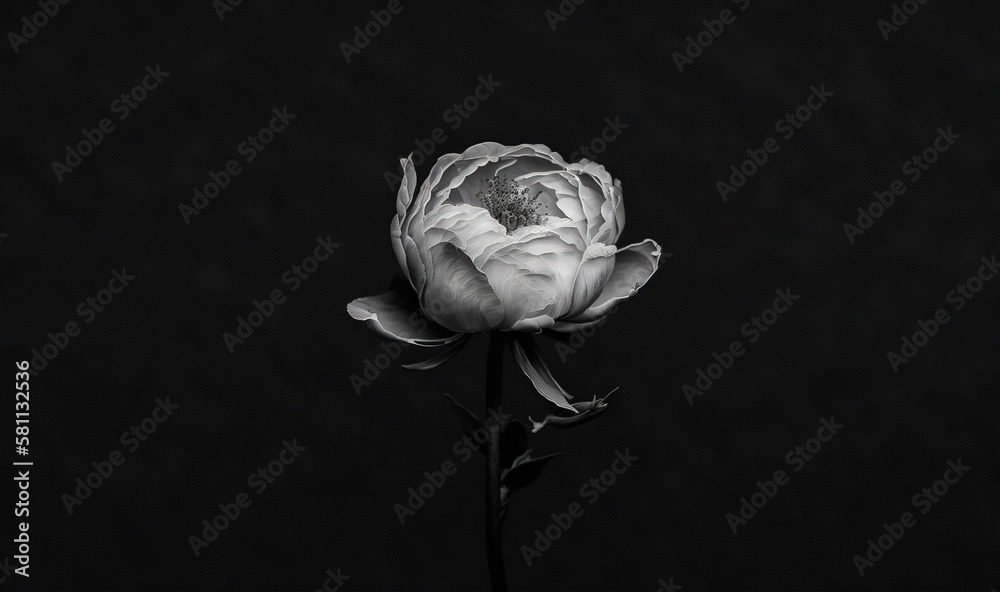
(613, 212)
(533, 325)
(619, 201)
(596, 267)
(396, 237)
(414, 263)
(493, 150)
(457, 295)
(534, 368)
(565, 328)
(587, 410)
(406, 187)
(403, 199)
(593, 169)
(634, 265)
(591, 198)
(392, 315)
(412, 225)
(440, 358)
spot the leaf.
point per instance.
(470, 423)
(588, 410)
(525, 470)
(513, 443)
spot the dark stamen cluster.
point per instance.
(510, 204)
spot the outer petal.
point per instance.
(534, 368)
(634, 265)
(619, 209)
(613, 212)
(403, 199)
(570, 327)
(389, 314)
(593, 169)
(457, 295)
(596, 267)
(591, 197)
(441, 357)
(533, 325)
(412, 225)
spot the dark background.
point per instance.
(324, 176)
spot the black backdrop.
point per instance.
(664, 521)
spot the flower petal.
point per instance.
(534, 368)
(390, 315)
(414, 263)
(534, 275)
(634, 265)
(533, 325)
(613, 212)
(457, 295)
(474, 228)
(484, 160)
(396, 238)
(591, 198)
(593, 169)
(596, 267)
(406, 187)
(564, 328)
(440, 358)
(403, 199)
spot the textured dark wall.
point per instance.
(323, 176)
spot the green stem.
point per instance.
(494, 376)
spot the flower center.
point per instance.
(510, 204)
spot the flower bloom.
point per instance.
(509, 238)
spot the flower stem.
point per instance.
(494, 375)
